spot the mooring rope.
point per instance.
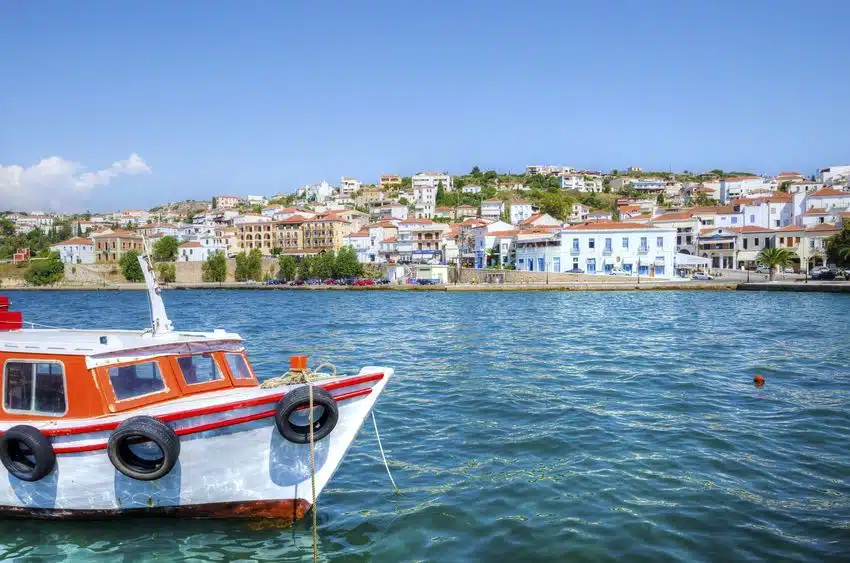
(384, 457)
(313, 481)
(293, 377)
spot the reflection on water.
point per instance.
(540, 426)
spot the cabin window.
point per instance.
(136, 380)
(37, 387)
(199, 369)
(239, 367)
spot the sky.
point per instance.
(108, 105)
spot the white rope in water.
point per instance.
(384, 457)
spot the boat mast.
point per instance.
(160, 324)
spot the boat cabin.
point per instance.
(76, 374)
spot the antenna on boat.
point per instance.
(160, 324)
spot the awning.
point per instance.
(690, 260)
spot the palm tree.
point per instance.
(774, 258)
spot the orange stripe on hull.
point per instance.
(283, 511)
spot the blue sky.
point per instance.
(261, 97)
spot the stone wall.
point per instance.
(471, 275)
(192, 272)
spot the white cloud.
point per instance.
(57, 184)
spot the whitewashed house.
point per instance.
(742, 186)
(598, 248)
(520, 211)
(471, 189)
(492, 209)
(76, 250)
(348, 186)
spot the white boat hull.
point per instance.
(244, 469)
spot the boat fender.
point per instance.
(300, 398)
(137, 432)
(26, 453)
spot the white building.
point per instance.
(256, 200)
(834, 175)
(548, 170)
(471, 189)
(520, 211)
(773, 211)
(199, 250)
(366, 248)
(77, 250)
(743, 186)
(348, 186)
(320, 192)
(227, 201)
(492, 209)
(421, 240)
(433, 180)
(598, 248)
(390, 211)
(27, 223)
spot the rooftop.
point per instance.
(74, 240)
(608, 226)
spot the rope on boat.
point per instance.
(313, 480)
(384, 457)
(300, 376)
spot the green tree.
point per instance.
(167, 272)
(347, 265)
(774, 258)
(305, 268)
(557, 204)
(249, 266)
(257, 209)
(288, 268)
(165, 249)
(838, 246)
(46, 271)
(475, 171)
(130, 267)
(323, 266)
(7, 227)
(214, 202)
(215, 268)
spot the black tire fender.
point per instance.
(300, 398)
(143, 429)
(32, 462)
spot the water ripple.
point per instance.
(542, 426)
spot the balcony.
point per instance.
(643, 250)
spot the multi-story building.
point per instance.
(720, 245)
(320, 192)
(751, 241)
(521, 210)
(548, 170)
(110, 246)
(27, 223)
(133, 217)
(772, 211)
(389, 180)
(581, 182)
(467, 211)
(76, 250)
(425, 186)
(227, 201)
(198, 251)
(324, 233)
(743, 186)
(228, 239)
(808, 245)
(579, 214)
(687, 229)
(718, 216)
(159, 229)
(420, 240)
(492, 209)
(390, 211)
(348, 186)
(370, 197)
(646, 185)
(598, 248)
(834, 175)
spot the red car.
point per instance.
(364, 282)
(328, 282)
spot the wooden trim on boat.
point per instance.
(284, 511)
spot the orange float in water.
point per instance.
(758, 381)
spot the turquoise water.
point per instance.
(531, 426)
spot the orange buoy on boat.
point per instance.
(298, 363)
(758, 381)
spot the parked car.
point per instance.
(273, 281)
(619, 272)
(364, 282)
(296, 282)
(329, 281)
(382, 282)
(575, 271)
(789, 269)
(428, 281)
(763, 270)
(701, 276)
(822, 274)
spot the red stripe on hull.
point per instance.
(213, 409)
(284, 511)
(57, 449)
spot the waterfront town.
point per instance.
(549, 219)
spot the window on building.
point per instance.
(688, 240)
(752, 219)
(136, 380)
(643, 244)
(745, 244)
(607, 245)
(541, 264)
(659, 242)
(575, 245)
(755, 241)
(734, 220)
(591, 243)
(556, 264)
(37, 387)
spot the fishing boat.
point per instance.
(108, 423)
